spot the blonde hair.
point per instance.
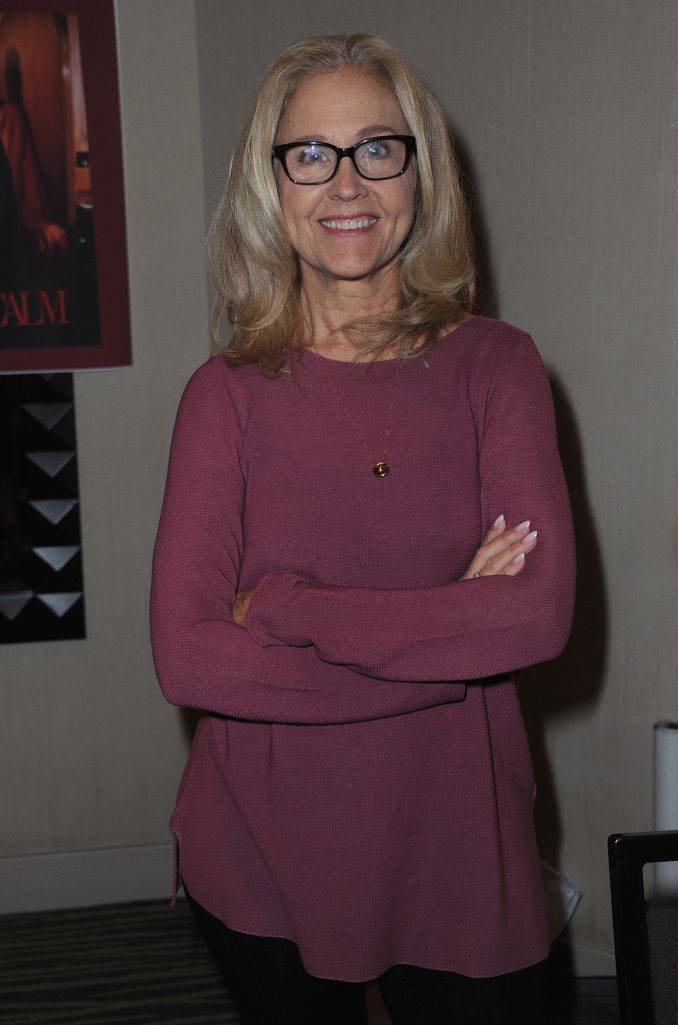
(255, 269)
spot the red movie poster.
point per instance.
(63, 268)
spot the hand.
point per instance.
(51, 237)
(503, 550)
(240, 607)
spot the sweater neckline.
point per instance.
(311, 357)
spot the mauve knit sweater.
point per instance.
(361, 783)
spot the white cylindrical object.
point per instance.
(666, 800)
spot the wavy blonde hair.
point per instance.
(254, 267)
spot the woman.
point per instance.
(346, 573)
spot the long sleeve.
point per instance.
(202, 658)
(469, 629)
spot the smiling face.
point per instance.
(350, 229)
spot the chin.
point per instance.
(357, 270)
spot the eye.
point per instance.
(309, 156)
(377, 149)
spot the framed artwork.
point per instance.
(63, 262)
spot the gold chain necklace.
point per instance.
(380, 468)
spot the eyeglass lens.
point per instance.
(375, 158)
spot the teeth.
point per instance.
(350, 225)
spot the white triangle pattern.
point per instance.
(57, 556)
(60, 602)
(13, 602)
(54, 509)
(50, 463)
(48, 413)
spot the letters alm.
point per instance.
(32, 309)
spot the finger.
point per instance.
(479, 559)
(493, 555)
(515, 565)
(509, 561)
(497, 528)
(240, 607)
(493, 548)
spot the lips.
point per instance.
(348, 223)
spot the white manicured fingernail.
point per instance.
(524, 525)
(499, 520)
(530, 537)
(518, 559)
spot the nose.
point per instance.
(347, 184)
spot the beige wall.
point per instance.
(566, 110)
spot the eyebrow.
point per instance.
(371, 129)
(363, 133)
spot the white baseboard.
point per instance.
(72, 879)
(592, 961)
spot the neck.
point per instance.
(327, 307)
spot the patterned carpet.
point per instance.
(144, 964)
(141, 964)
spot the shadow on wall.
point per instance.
(486, 297)
(574, 680)
(190, 717)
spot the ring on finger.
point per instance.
(475, 575)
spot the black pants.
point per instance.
(270, 986)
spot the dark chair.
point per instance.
(645, 931)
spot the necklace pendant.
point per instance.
(381, 468)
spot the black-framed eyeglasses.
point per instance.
(315, 163)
